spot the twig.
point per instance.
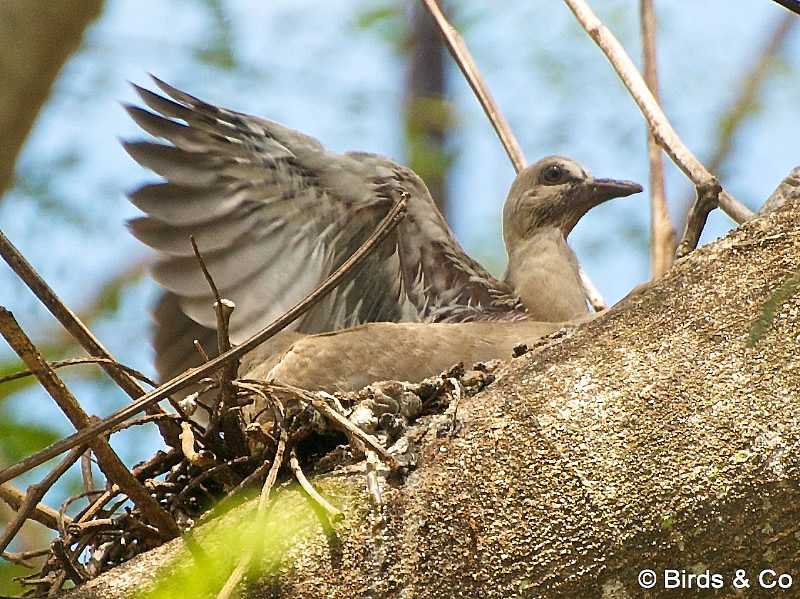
(261, 514)
(223, 308)
(78, 330)
(86, 472)
(294, 464)
(67, 567)
(373, 487)
(460, 53)
(339, 421)
(707, 200)
(19, 560)
(389, 222)
(112, 466)
(660, 126)
(56, 364)
(591, 292)
(458, 49)
(64, 521)
(376, 541)
(41, 512)
(34, 496)
(662, 231)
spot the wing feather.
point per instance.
(274, 214)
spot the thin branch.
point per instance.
(294, 464)
(16, 558)
(78, 330)
(56, 364)
(34, 496)
(591, 292)
(458, 49)
(41, 512)
(261, 512)
(67, 566)
(337, 420)
(707, 200)
(86, 472)
(389, 222)
(112, 466)
(662, 231)
(660, 126)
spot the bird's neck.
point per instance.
(544, 273)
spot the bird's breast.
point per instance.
(544, 274)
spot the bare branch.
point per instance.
(294, 464)
(660, 126)
(109, 462)
(56, 364)
(34, 496)
(458, 49)
(42, 513)
(78, 330)
(661, 229)
(389, 222)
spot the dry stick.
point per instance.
(294, 464)
(79, 331)
(460, 53)
(86, 472)
(41, 512)
(67, 567)
(339, 421)
(662, 231)
(17, 559)
(222, 309)
(261, 512)
(56, 364)
(458, 49)
(35, 494)
(704, 181)
(108, 460)
(389, 222)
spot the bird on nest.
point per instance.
(274, 213)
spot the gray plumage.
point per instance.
(274, 214)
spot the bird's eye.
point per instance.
(553, 174)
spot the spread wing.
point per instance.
(273, 214)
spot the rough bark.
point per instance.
(655, 436)
(36, 38)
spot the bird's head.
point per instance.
(555, 193)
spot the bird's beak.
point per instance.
(601, 190)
